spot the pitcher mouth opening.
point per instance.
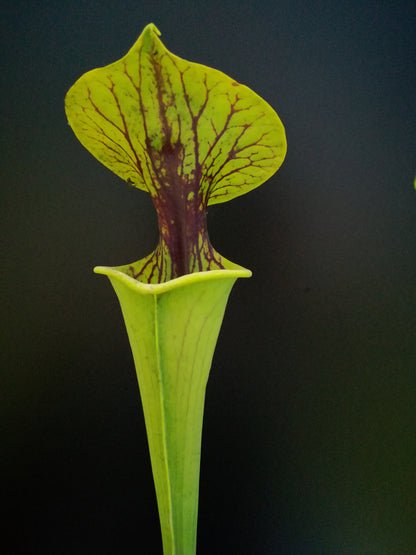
(124, 274)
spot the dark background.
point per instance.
(309, 440)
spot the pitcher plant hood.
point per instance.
(187, 134)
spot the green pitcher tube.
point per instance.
(173, 329)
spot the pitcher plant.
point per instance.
(190, 136)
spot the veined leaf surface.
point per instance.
(161, 122)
